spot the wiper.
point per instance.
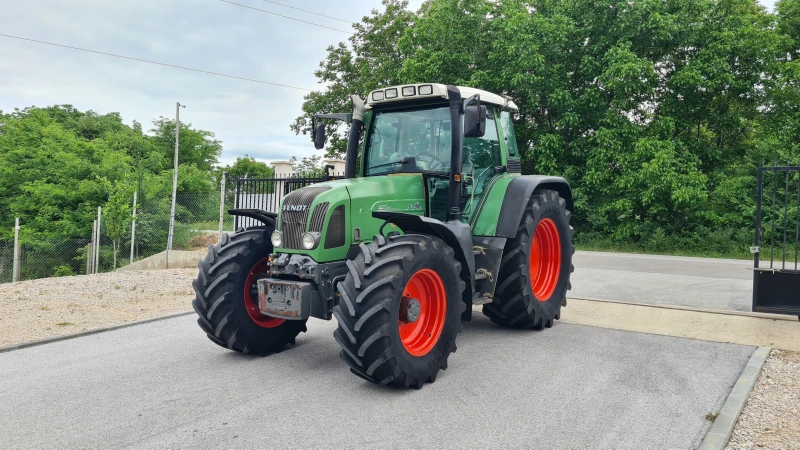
(405, 160)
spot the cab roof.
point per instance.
(418, 91)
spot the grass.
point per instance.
(711, 416)
(721, 243)
(616, 247)
(64, 324)
(44, 308)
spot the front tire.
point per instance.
(400, 310)
(226, 296)
(536, 266)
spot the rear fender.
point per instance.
(518, 195)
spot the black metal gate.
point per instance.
(266, 194)
(776, 288)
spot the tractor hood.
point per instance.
(341, 212)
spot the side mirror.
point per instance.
(474, 121)
(319, 136)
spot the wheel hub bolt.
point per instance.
(409, 309)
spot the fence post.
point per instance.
(133, 225)
(236, 203)
(90, 250)
(97, 242)
(15, 262)
(222, 205)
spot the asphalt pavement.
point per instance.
(163, 384)
(664, 280)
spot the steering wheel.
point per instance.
(435, 162)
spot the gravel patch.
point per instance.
(771, 417)
(38, 309)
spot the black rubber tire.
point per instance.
(219, 300)
(515, 304)
(368, 310)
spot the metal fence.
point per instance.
(776, 286)
(266, 193)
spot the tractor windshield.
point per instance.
(409, 141)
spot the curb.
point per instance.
(720, 432)
(723, 312)
(13, 347)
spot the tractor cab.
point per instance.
(410, 129)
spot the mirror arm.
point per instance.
(474, 98)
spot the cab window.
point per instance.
(409, 141)
(507, 124)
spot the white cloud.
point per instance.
(249, 118)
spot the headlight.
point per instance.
(276, 238)
(377, 96)
(426, 89)
(391, 93)
(409, 91)
(309, 240)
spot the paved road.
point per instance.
(164, 385)
(665, 280)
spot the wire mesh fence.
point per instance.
(197, 225)
(6, 260)
(199, 219)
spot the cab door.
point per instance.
(481, 156)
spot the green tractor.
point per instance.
(431, 218)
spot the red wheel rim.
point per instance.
(421, 335)
(251, 296)
(545, 259)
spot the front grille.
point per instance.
(514, 166)
(293, 223)
(318, 218)
(334, 237)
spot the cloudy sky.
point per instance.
(249, 118)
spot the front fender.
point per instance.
(266, 217)
(456, 234)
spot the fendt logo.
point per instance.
(295, 208)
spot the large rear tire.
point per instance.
(536, 266)
(227, 296)
(400, 310)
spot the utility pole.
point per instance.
(133, 225)
(178, 107)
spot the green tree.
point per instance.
(308, 167)
(57, 164)
(198, 148)
(117, 212)
(248, 167)
(657, 112)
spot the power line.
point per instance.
(155, 62)
(286, 17)
(310, 12)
